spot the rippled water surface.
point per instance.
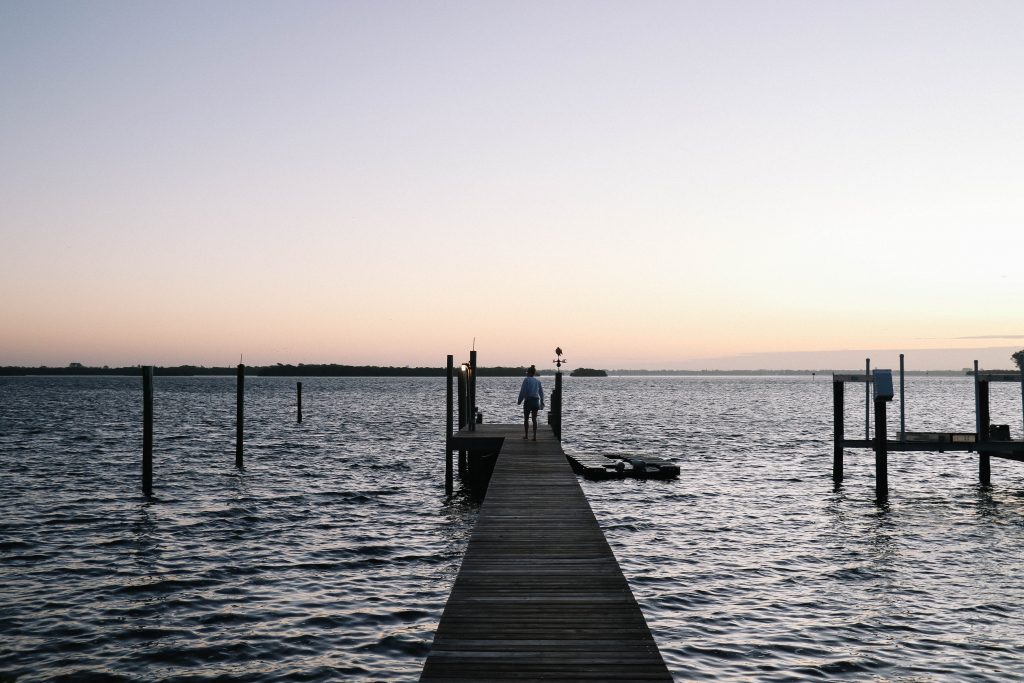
(332, 553)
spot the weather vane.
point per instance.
(558, 358)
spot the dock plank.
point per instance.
(539, 595)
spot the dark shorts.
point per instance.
(530, 405)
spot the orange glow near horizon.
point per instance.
(640, 191)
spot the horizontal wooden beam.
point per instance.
(853, 378)
(996, 376)
(999, 449)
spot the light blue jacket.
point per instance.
(531, 389)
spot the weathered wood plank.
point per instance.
(539, 595)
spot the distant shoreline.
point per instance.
(335, 370)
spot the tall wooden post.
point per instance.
(298, 398)
(472, 391)
(984, 434)
(147, 430)
(881, 453)
(837, 430)
(867, 400)
(555, 412)
(462, 397)
(449, 427)
(903, 405)
(1022, 396)
(239, 414)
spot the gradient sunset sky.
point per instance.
(645, 184)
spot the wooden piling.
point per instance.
(147, 430)
(239, 414)
(838, 429)
(471, 408)
(298, 399)
(1022, 398)
(984, 433)
(462, 397)
(903, 406)
(449, 427)
(555, 410)
(867, 401)
(881, 452)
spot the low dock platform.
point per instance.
(539, 595)
(612, 466)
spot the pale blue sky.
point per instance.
(648, 184)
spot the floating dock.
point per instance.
(539, 595)
(612, 466)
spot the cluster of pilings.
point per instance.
(986, 440)
(467, 413)
(147, 423)
(463, 414)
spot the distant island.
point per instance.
(588, 372)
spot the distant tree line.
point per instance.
(276, 370)
(131, 370)
(336, 370)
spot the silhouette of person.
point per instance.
(531, 395)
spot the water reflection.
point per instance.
(331, 556)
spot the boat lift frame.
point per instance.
(981, 440)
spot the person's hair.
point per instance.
(532, 370)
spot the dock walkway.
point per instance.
(539, 595)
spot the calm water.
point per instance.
(332, 554)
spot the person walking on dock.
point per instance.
(531, 395)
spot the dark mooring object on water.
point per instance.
(147, 430)
(617, 466)
(298, 398)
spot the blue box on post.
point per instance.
(883, 384)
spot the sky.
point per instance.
(645, 184)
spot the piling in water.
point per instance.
(838, 429)
(471, 390)
(147, 430)
(449, 428)
(984, 434)
(881, 452)
(462, 396)
(239, 414)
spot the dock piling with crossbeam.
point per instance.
(989, 441)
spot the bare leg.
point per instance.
(526, 424)
(534, 414)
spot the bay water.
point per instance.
(331, 554)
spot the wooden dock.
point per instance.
(539, 595)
